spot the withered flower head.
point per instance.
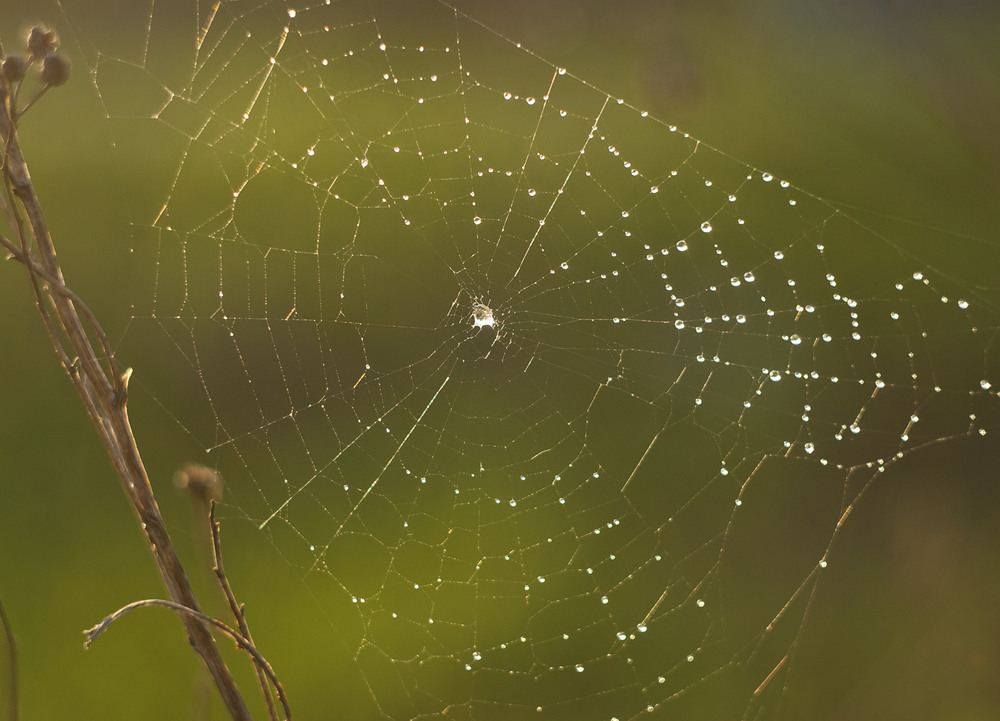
(42, 41)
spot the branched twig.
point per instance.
(101, 387)
(13, 712)
(241, 641)
(239, 612)
(57, 285)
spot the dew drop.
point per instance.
(706, 227)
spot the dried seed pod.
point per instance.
(55, 69)
(14, 68)
(41, 42)
(204, 483)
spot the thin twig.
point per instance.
(13, 707)
(103, 392)
(60, 287)
(22, 111)
(238, 609)
(241, 641)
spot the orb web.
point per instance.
(562, 408)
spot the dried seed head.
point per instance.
(203, 483)
(42, 41)
(55, 69)
(14, 68)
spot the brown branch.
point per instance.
(238, 609)
(241, 641)
(13, 709)
(104, 394)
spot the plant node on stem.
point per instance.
(73, 331)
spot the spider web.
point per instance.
(557, 408)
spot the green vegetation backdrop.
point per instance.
(888, 106)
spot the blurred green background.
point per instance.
(891, 107)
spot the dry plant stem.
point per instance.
(242, 641)
(13, 713)
(238, 610)
(104, 393)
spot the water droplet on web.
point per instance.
(775, 375)
(706, 227)
(767, 177)
(985, 384)
(795, 339)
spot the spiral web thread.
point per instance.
(561, 408)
